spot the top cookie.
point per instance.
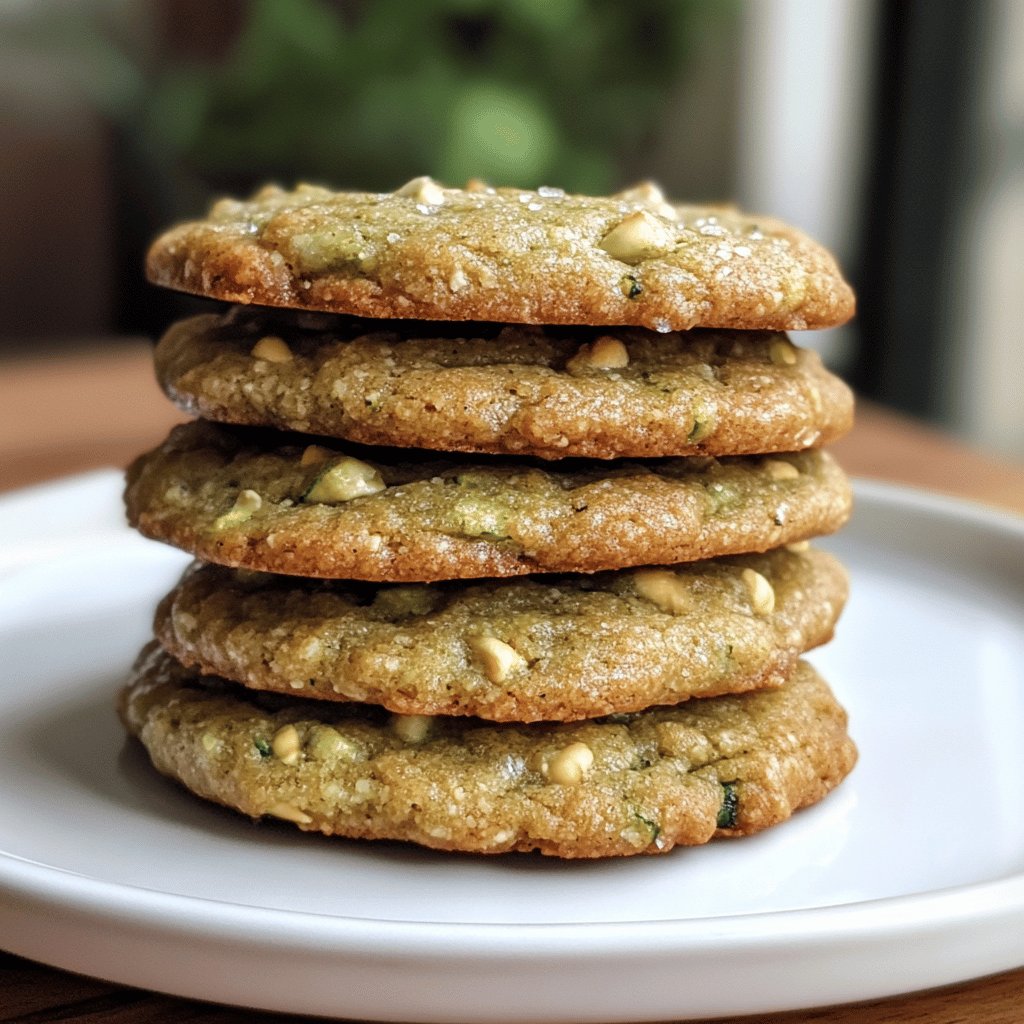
(544, 257)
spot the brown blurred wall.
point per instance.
(56, 217)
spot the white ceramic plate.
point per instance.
(910, 875)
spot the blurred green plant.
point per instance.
(368, 93)
(209, 98)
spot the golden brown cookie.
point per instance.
(506, 255)
(632, 784)
(521, 650)
(548, 392)
(273, 502)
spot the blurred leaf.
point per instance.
(588, 171)
(282, 34)
(556, 16)
(500, 134)
(371, 92)
(178, 109)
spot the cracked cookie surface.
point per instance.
(600, 393)
(554, 648)
(634, 784)
(506, 254)
(266, 501)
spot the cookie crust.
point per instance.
(647, 782)
(506, 390)
(506, 255)
(580, 646)
(248, 499)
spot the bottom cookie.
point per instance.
(625, 784)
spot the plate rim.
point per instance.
(868, 926)
(917, 909)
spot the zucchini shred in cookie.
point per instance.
(432, 406)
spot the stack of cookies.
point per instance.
(500, 502)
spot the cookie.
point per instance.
(275, 502)
(632, 784)
(521, 650)
(543, 392)
(506, 255)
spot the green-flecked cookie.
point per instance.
(631, 784)
(506, 255)
(276, 503)
(548, 392)
(521, 650)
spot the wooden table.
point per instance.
(64, 414)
